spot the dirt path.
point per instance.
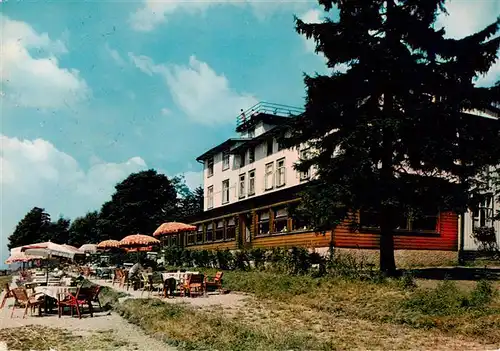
(231, 300)
(120, 334)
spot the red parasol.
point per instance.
(108, 244)
(173, 228)
(138, 240)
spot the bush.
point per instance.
(447, 300)
(407, 282)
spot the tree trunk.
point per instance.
(387, 260)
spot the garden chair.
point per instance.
(124, 280)
(76, 301)
(194, 285)
(7, 293)
(146, 283)
(26, 301)
(96, 289)
(117, 277)
(215, 282)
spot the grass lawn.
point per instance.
(4, 279)
(301, 312)
(43, 338)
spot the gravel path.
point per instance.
(119, 328)
(230, 300)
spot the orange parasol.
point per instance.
(108, 244)
(173, 228)
(138, 240)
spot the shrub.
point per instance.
(225, 259)
(447, 300)
(407, 282)
(258, 256)
(241, 260)
(486, 239)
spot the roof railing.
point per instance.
(267, 108)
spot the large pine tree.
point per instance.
(389, 135)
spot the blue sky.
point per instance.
(92, 91)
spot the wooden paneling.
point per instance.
(230, 245)
(344, 237)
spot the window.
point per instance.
(413, 222)
(251, 183)
(303, 156)
(263, 222)
(280, 173)
(483, 215)
(210, 196)
(241, 188)
(269, 177)
(199, 234)
(270, 147)
(230, 229)
(225, 160)
(210, 167)
(209, 235)
(299, 224)
(225, 191)
(191, 237)
(280, 220)
(219, 231)
(242, 159)
(251, 155)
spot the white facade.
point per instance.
(481, 218)
(263, 171)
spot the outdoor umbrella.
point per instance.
(48, 250)
(17, 256)
(137, 242)
(108, 244)
(89, 248)
(173, 228)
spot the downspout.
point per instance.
(461, 239)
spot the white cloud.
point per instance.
(115, 55)
(165, 111)
(36, 82)
(155, 12)
(36, 173)
(311, 16)
(202, 94)
(465, 18)
(193, 179)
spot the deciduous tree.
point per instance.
(33, 228)
(140, 204)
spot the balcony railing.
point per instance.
(267, 108)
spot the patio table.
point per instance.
(55, 291)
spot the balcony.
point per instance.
(266, 111)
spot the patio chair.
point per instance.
(7, 293)
(117, 277)
(76, 301)
(146, 283)
(26, 301)
(96, 289)
(194, 285)
(124, 280)
(215, 282)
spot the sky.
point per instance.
(92, 91)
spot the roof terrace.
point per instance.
(267, 112)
